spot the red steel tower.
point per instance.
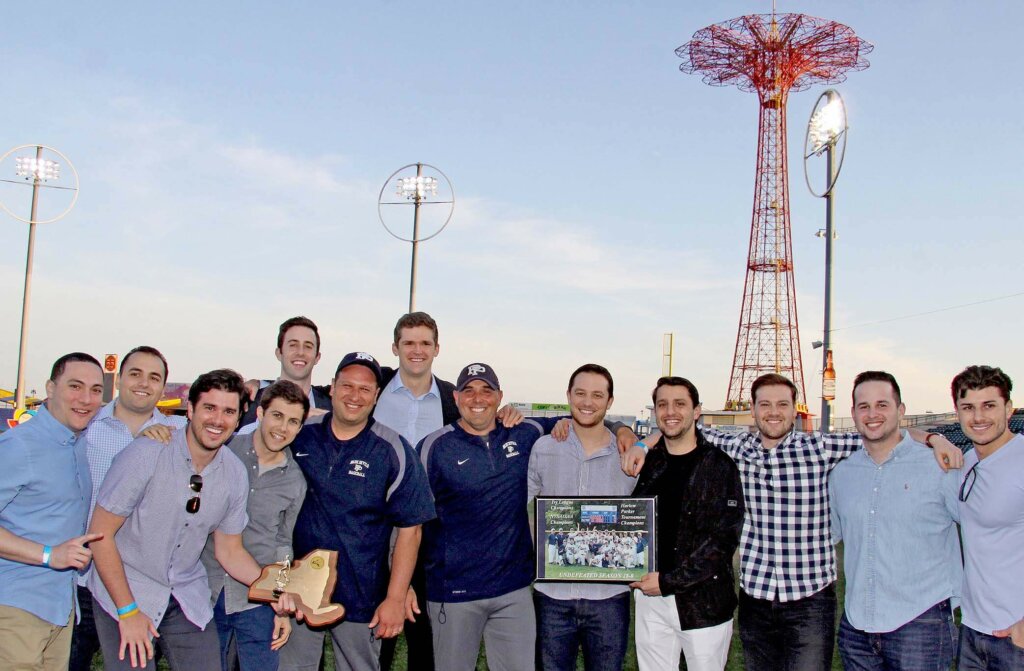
(771, 54)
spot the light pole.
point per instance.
(417, 190)
(35, 171)
(826, 128)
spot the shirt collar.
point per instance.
(610, 448)
(396, 384)
(328, 430)
(106, 413)
(906, 444)
(755, 439)
(180, 443)
(51, 426)
(251, 452)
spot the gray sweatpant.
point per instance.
(355, 648)
(506, 623)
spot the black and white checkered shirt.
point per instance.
(785, 549)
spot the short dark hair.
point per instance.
(771, 380)
(223, 379)
(287, 391)
(596, 369)
(676, 381)
(74, 357)
(297, 321)
(412, 320)
(144, 349)
(979, 377)
(876, 376)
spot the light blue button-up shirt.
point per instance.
(44, 497)
(413, 417)
(898, 523)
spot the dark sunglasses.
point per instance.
(195, 483)
(967, 486)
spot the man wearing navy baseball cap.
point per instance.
(479, 552)
(364, 480)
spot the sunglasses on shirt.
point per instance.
(195, 483)
(967, 486)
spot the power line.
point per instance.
(931, 312)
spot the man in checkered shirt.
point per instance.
(787, 601)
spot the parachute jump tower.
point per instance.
(771, 54)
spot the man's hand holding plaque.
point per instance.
(304, 587)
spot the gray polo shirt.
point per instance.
(275, 497)
(564, 469)
(159, 542)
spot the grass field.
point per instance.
(735, 654)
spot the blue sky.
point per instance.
(231, 154)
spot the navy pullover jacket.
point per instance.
(480, 546)
(358, 490)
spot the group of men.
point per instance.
(422, 487)
(611, 549)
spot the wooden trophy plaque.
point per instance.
(310, 580)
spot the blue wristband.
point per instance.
(46, 555)
(127, 609)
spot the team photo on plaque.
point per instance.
(591, 539)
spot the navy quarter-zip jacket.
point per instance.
(480, 546)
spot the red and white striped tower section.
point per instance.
(771, 54)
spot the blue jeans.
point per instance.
(601, 626)
(252, 630)
(980, 651)
(925, 643)
(788, 636)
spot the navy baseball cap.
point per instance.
(361, 359)
(477, 371)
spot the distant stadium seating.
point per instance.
(955, 433)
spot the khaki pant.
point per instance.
(28, 643)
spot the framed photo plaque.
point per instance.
(595, 539)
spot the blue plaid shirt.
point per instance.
(786, 548)
(106, 436)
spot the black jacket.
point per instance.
(710, 522)
(321, 399)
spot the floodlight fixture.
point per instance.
(35, 172)
(41, 169)
(417, 188)
(827, 122)
(827, 134)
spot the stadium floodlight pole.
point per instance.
(418, 190)
(826, 128)
(37, 171)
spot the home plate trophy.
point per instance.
(310, 579)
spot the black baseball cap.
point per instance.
(477, 371)
(361, 359)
